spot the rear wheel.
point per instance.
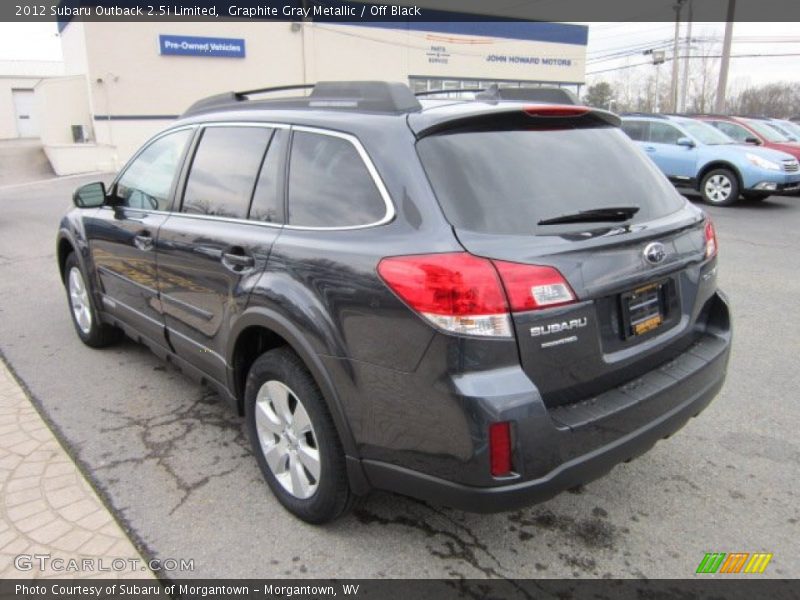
(720, 187)
(88, 326)
(294, 438)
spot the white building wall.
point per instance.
(23, 75)
(71, 96)
(8, 124)
(142, 90)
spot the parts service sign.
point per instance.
(183, 45)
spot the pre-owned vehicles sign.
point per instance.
(183, 45)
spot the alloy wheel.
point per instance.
(718, 188)
(79, 300)
(287, 439)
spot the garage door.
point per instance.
(23, 111)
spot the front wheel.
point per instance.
(720, 187)
(294, 438)
(88, 326)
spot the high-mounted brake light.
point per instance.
(556, 110)
(711, 239)
(465, 294)
(500, 449)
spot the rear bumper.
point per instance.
(593, 436)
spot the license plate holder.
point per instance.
(644, 309)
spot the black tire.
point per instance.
(726, 193)
(332, 496)
(92, 332)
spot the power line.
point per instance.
(669, 58)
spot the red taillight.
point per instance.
(556, 110)
(531, 286)
(711, 239)
(500, 448)
(457, 291)
(462, 293)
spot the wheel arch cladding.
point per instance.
(719, 164)
(64, 248)
(264, 326)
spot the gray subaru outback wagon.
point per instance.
(478, 303)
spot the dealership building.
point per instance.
(123, 81)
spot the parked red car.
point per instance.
(749, 130)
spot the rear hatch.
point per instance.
(565, 188)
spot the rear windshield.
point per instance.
(505, 182)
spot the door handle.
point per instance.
(236, 259)
(649, 149)
(143, 241)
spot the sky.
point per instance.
(608, 39)
(39, 41)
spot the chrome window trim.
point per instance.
(146, 145)
(174, 213)
(389, 215)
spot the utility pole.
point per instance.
(726, 58)
(658, 56)
(673, 90)
(687, 49)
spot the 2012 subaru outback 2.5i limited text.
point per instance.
(475, 302)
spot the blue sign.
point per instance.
(185, 45)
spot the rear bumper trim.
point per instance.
(705, 381)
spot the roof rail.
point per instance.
(643, 114)
(277, 88)
(458, 91)
(702, 114)
(373, 96)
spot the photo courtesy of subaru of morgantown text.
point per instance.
(410, 293)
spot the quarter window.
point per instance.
(147, 181)
(329, 184)
(224, 171)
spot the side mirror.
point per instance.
(685, 141)
(90, 195)
(752, 140)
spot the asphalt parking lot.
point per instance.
(174, 464)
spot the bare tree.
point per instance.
(779, 100)
(703, 76)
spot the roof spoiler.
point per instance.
(375, 96)
(511, 116)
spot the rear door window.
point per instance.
(224, 169)
(505, 182)
(663, 133)
(636, 130)
(268, 198)
(330, 185)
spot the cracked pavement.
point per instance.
(174, 463)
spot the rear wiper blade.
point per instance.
(611, 213)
